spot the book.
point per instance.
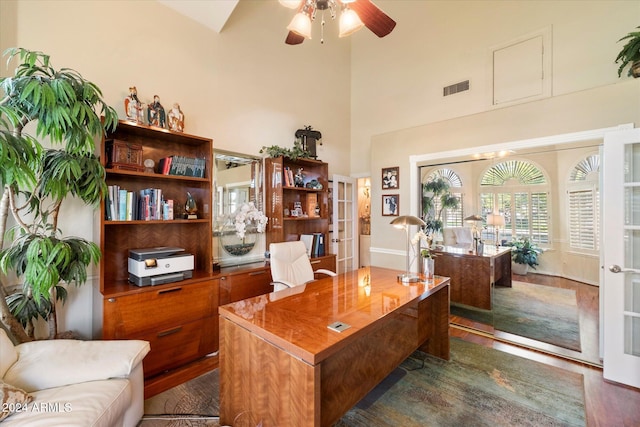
(308, 240)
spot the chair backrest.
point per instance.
(290, 263)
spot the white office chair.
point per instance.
(290, 265)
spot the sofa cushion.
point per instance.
(12, 400)
(92, 403)
(54, 363)
(8, 353)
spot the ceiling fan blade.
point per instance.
(373, 18)
(293, 38)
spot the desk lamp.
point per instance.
(474, 229)
(497, 220)
(404, 222)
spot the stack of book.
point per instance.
(183, 166)
(288, 177)
(145, 205)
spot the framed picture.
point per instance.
(390, 178)
(390, 204)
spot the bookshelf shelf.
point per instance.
(188, 307)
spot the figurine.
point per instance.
(298, 179)
(190, 207)
(155, 113)
(176, 118)
(133, 106)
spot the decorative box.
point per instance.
(123, 155)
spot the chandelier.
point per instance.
(354, 14)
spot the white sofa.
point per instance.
(458, 237)
(72, 382)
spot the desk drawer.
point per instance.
(174, 346)
(236, 287)
(158, 308)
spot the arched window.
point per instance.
(584, 204)
(519, 190)
(450, 217)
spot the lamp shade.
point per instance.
(473, 218)
(301, 25)
(407, 220)
(350, 22)
(495, 219)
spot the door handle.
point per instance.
(615, 268)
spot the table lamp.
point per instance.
(474, 219)
(496, 220)
(404, 221)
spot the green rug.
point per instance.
(541, 313)
(479, 386)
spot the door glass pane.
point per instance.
(632, 249)
(632, 205)
(632, 335)
(632, 163)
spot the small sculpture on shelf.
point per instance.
(155, 113)
(298, 179)
(133, 106)
(190, 207)
(176, 118)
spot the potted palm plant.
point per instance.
(436, 197)
(37, 173)
(630, 54)
(524, 254)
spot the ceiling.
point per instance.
(210, 13)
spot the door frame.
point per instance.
(566, 138)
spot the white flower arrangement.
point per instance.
(248, 214)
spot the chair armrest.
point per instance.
(54, 363)
(281, 284)
(324, 271)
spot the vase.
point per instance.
(428, 267)
(236, 246)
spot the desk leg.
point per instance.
(434, 318)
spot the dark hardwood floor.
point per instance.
(606, 403)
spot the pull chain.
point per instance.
(322, 29)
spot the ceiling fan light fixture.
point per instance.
(350, 22)
(291, 4)
(301, 25)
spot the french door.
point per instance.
(344, 243)
(621, 255)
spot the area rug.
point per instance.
(479, 386)
(541, 313)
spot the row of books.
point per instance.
(314, 243)
(289, 180)
(146, 205)
(183, 166)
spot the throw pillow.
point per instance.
(12, 399)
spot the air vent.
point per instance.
(455, 88)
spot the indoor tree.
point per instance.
(37, 173)
(436, 197)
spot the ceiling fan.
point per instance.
(354, 14)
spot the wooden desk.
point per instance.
(473, 276)
(281, 366)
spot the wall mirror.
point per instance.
(560, 208)
(237, 180)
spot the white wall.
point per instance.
(397, 81)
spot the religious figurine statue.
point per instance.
(133, 106)
(155, 113)
(176, 118)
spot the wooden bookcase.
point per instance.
(180, 319)
(279, 196)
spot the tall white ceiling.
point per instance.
(211, 13)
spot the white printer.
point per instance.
(155, 266)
